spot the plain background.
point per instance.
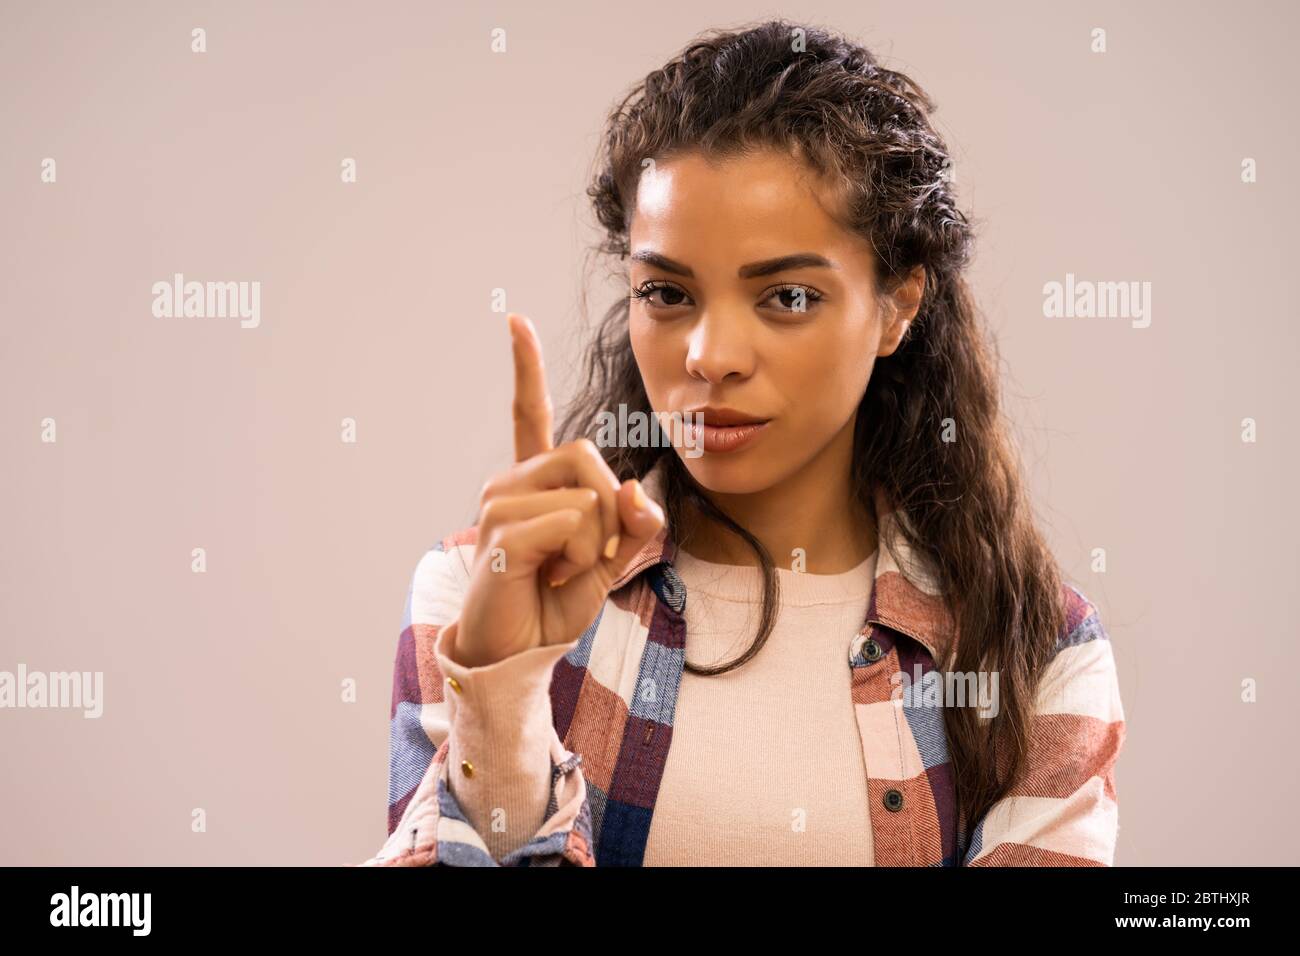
(223, 690)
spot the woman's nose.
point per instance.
(720, 346)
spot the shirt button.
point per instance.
(455, 684)
(467, 768)
(893, 800)
(871, 650)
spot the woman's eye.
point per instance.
(671, 295)
(792, 299)
(796, 298)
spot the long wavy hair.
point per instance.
(829, 102)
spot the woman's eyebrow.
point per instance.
(663, 262)
(798, 260)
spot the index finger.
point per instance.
(532, 407)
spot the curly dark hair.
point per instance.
(828, 102)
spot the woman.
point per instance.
(819, 627)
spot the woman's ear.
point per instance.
(899, 307)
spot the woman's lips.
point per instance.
(720, 438)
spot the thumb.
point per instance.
(641, 517)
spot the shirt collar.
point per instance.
(906, 597)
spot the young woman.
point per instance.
(821, 628)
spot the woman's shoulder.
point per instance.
(1081, 677)
(444, 568)
(1082, 623)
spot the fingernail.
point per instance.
(556, 584)
(611, 546)
(639, 498)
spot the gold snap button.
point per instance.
(893, 800)
(871, 650)
(455, 685)
(467, 768)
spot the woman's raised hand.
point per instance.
(555, 530)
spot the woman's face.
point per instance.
(717, 319)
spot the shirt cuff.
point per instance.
(500, 742)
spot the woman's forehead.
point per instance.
(737, 210)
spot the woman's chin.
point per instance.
(728, 473)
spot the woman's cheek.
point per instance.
(836, 390)
(644, 355)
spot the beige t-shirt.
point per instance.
(765, 761)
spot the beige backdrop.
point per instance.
(223, 690)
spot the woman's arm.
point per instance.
(420, 718)
(499, 721)
(1064, 812)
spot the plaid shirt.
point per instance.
(615, 738)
